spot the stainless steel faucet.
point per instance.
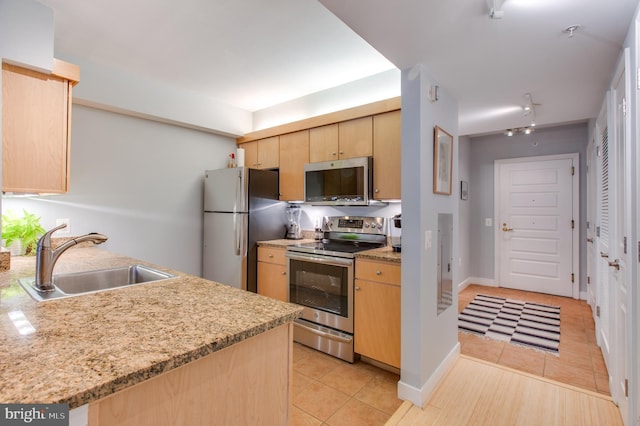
(46, 257)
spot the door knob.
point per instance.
(504, 228)
(615, 264)
(590, 240)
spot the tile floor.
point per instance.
(328, 391)
(580, 361)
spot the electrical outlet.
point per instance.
(63, 231)
(488, 221)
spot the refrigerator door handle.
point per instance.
(236, 233)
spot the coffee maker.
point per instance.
(293, 213)
(397, 223)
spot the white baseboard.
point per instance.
(464, 284)
(419, 396)
(489, 282)
(583, 295)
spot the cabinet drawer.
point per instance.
(386, 272)
(272, 255)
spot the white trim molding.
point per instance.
(420, 396)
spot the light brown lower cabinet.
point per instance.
(272, 273)
(377, 311)
(246, 383)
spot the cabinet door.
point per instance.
(356, 138)
(387, 141)
(35, 131)
(272, 281)
(250, 154)
(323, 143)
(294, 153)
(377, 321)
(269, 153)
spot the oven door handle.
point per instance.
(323, 334)
(320, 259)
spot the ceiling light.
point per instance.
(518, 131)
(571, 29)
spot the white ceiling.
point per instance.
(254, 54)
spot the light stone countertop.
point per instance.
(88, 347)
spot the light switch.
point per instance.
(427, 240)
(488, 221)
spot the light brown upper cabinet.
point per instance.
(36, 128)
(263, 153)
(323, 143)
(355, 138)
(346, 139)
(294, 153)
(387, 139)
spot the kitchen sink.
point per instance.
(79, 283)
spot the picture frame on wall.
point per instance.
(464, 190)
(442, 161)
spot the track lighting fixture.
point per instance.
(518, 131)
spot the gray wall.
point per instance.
(484, 151)
(464, 210)
(428, 338)
(137, 181)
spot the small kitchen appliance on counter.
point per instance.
(293, 213)
(397, 223)
(320, 277)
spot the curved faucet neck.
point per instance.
(46, 257)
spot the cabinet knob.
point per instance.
(283, 273)
(341, 152)
(378, 272)
(357, 288)
(334, 153)
(376, 190)
(270, 256)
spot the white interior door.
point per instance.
(592, 211)
(536, 224)
(603, 290)
(619, 273)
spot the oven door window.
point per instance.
(319, 286)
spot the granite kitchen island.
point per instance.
(179, 351)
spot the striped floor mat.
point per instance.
(523, 323)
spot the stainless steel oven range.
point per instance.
(321, 279)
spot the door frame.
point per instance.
(575, 187)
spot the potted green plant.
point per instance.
(24, 231)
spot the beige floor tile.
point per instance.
(348, 378)
(297, 417)
(355, 413)
(381, 392)
(602, 383)
(320, 400)
(316, 366)
(482, 348)
(566, 373)
(523, 359)
(300, 382)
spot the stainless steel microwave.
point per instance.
(339, 182)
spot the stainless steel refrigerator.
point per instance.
(241, 207)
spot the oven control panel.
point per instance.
(356, 224)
